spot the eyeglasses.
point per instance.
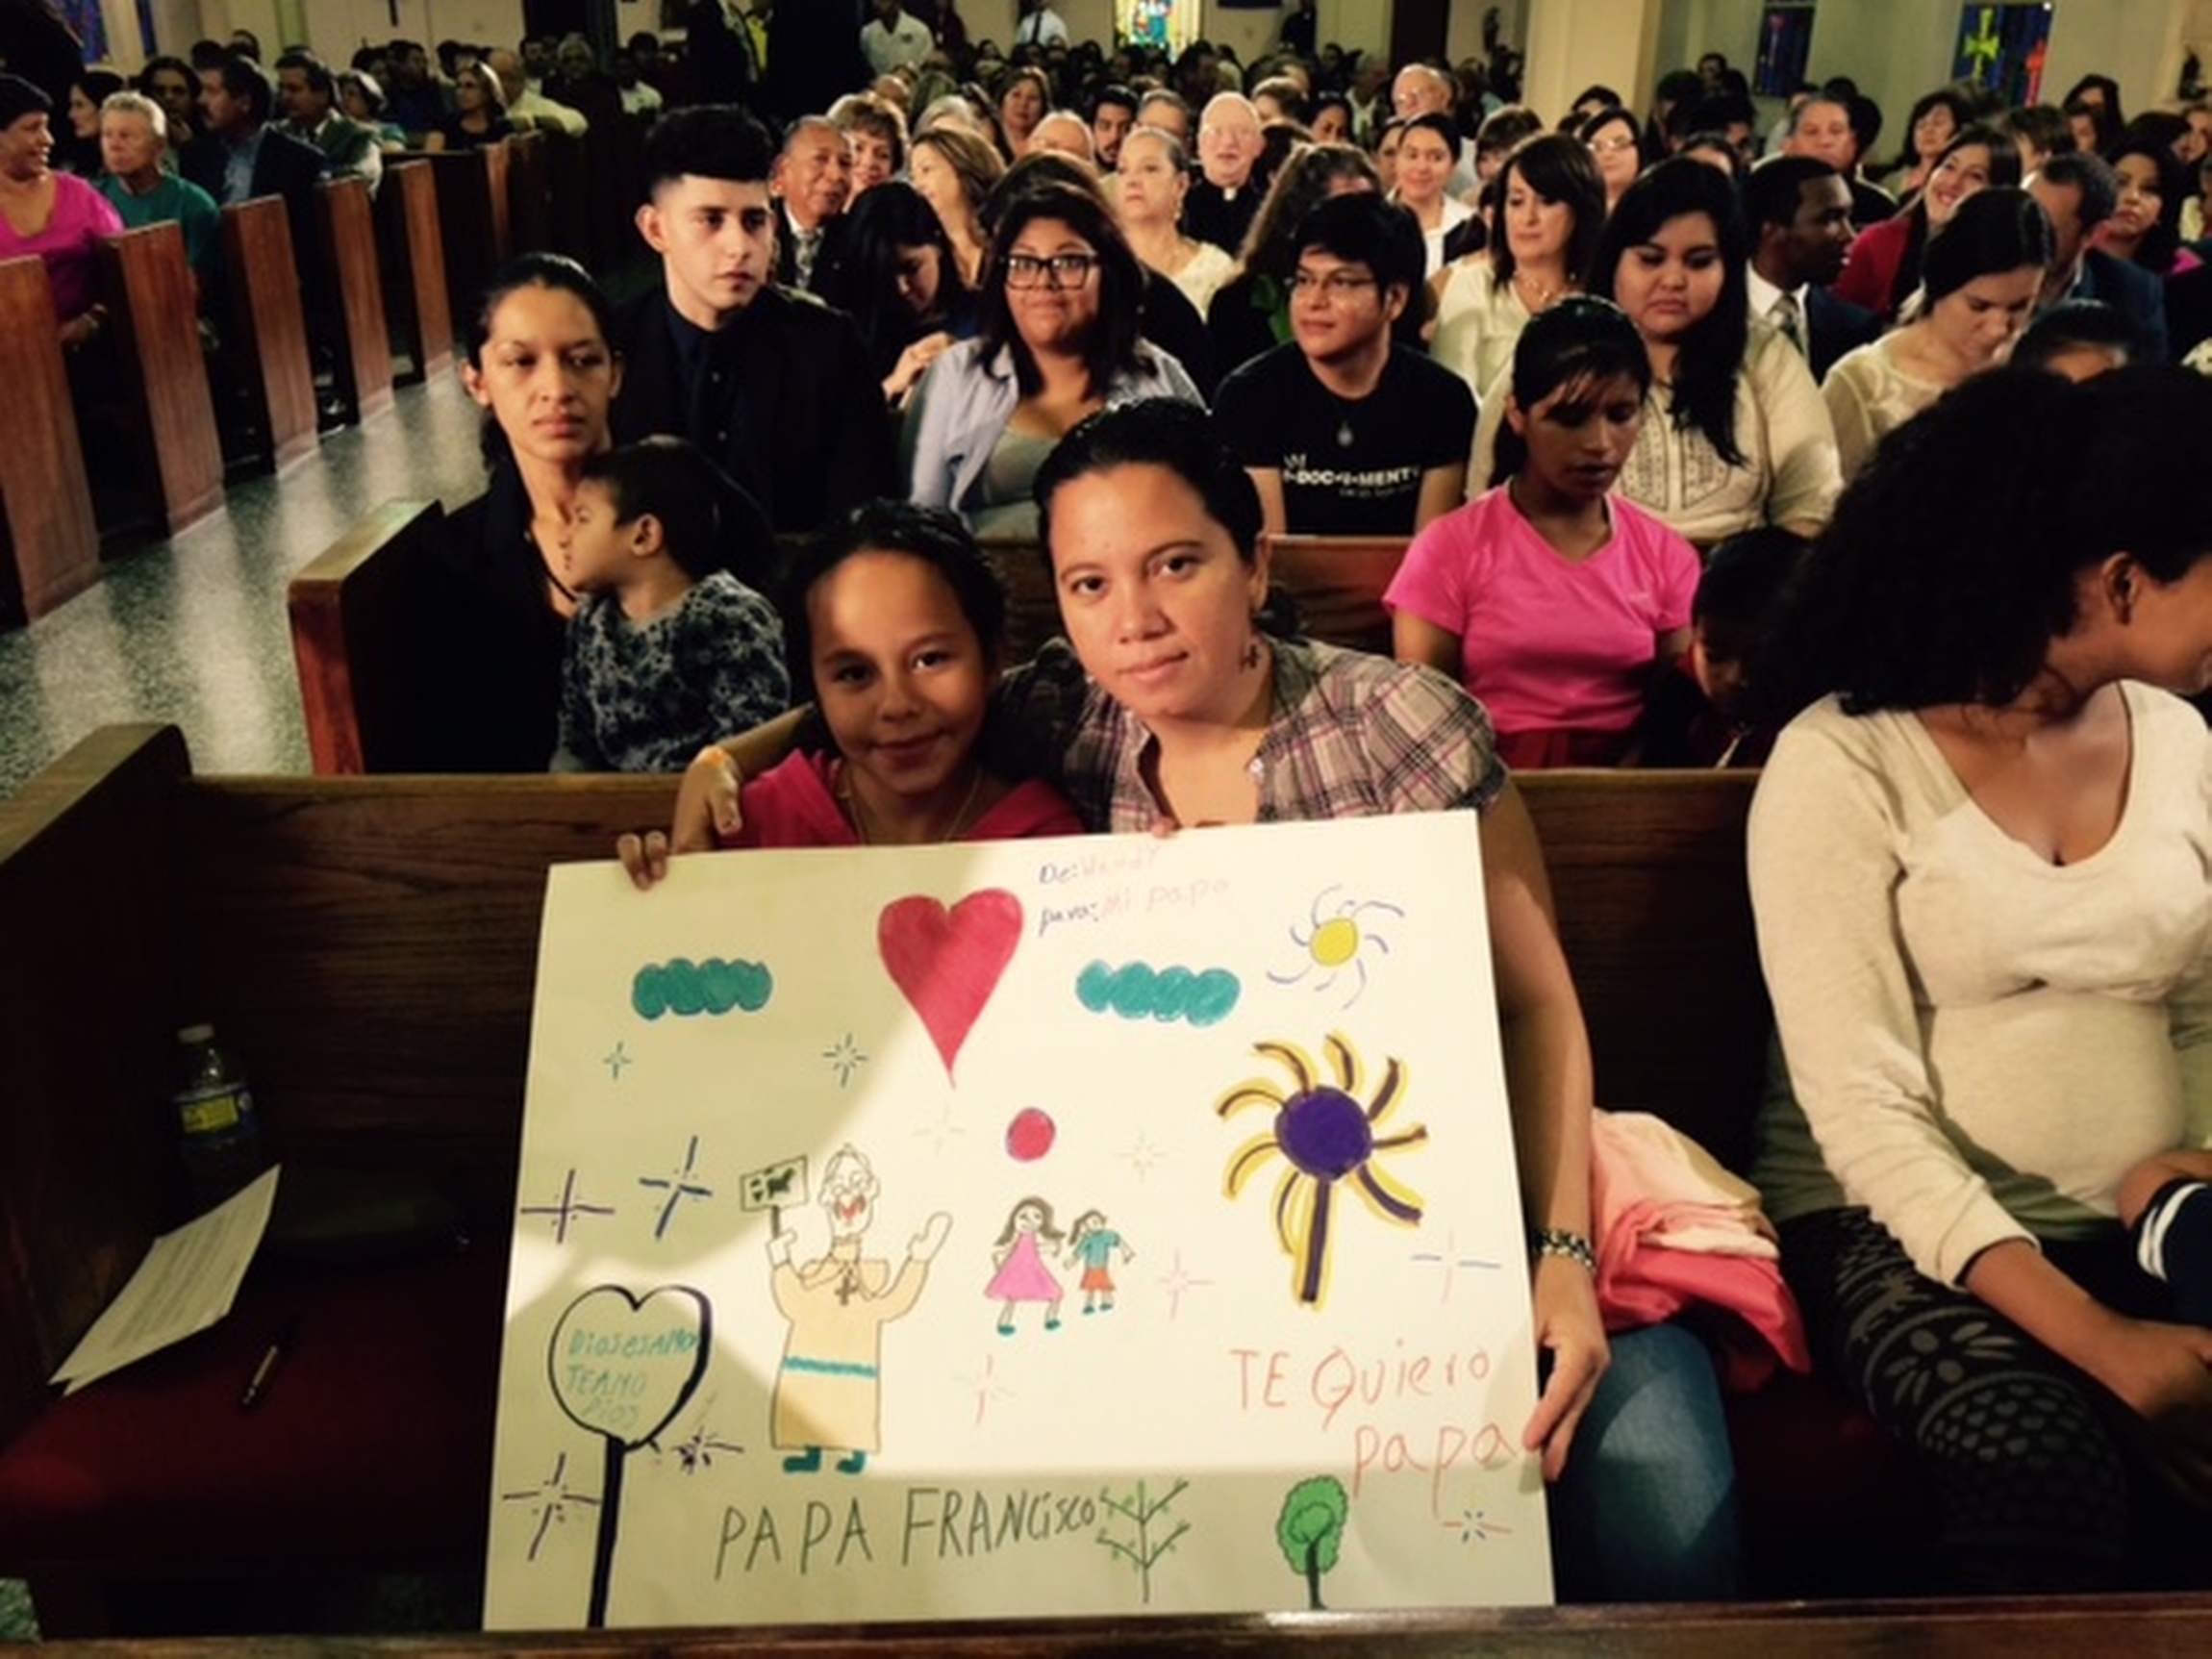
(1060, 270)
(1612, 146)
(1334, 286)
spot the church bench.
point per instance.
(345, 219)
(49, 542)
(529, 206)
(413, 260)
(366, 947)
(474, 220)
(265, 335)
(168, 413)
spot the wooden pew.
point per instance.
(349, 620)
(266, 343)
(50, 547)
(529, 207)
(1337, 584)
(414, 254)
(149, 290)
(368, 945)
(473, 220)
(345, 219)
(569, 197)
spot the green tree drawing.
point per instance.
(1311, 1529)
(1141, 1513)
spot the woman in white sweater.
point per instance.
(1980, 865)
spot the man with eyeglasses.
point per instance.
(1345, 432)
(773, 385)
(1224, 197)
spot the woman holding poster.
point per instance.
(1169, 705)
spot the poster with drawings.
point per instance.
(1110, 1225)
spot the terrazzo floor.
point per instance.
(192, 630)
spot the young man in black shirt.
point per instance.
(1344, 433)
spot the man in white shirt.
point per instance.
(894, 38)
(526, 107)
(1041, 26)
(1800, 214)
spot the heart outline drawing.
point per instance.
(947, 963)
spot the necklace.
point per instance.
(851, 801)
(1536, 295)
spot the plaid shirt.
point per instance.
(1352, 736)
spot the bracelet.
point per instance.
(1558, 1241)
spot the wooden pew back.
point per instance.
(349, 629)
(49, 543)
(150, 293)
(415, 268)
(267, 339)
(474, 219)
(345, 217)
(1337, 584)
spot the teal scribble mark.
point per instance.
(686, 988)
(1138, 991)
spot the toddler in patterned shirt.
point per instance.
(666, 652)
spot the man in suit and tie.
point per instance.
(773, 385)
(1800, 213)
(2079, 191)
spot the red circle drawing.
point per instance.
(1030, 1136)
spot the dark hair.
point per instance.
(1505, 127)
(169, 61)
(1291, 100)
(1593, 125)
(1997, 230)
(673, 480)
(19, 97)
(1942, 98)
(1597, 92)
(2004, 172)
(865, 285)
(937, 537)
(99, 83)
(1271, 246)
(1710, 143)
(1113, 343)
(1712, 350)
(1157, 432)
(536, 270)
(1330, 100)
(1774, 190)
(2042, 125)
(1361, 227)
(1441, 125)
(2081, 322)
(1746, 575)
(2104, 130)
(1952, 559)
(1119, 96)
(2093, 176)
(245, 80)
(1559, 170)
(1715, 112)
(708, 141)
(2162, 239)
(319, 79)
(1579, 341)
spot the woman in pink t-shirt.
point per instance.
(1554, 603)
(56, 215)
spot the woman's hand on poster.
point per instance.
(1570, 1333)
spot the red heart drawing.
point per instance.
(948, 962)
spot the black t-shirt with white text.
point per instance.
(1349, 467)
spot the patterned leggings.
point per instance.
(2035, 1490)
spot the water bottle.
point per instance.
(217, 1132)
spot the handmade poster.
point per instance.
(1110, 1225)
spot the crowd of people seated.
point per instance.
(1703, 447)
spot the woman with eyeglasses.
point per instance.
(1057, 340)
(1616, 144)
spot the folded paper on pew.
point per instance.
(187, 1281)
(1100, 1226)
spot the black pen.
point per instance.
(258, 1385)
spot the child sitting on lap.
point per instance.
(665, 651)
